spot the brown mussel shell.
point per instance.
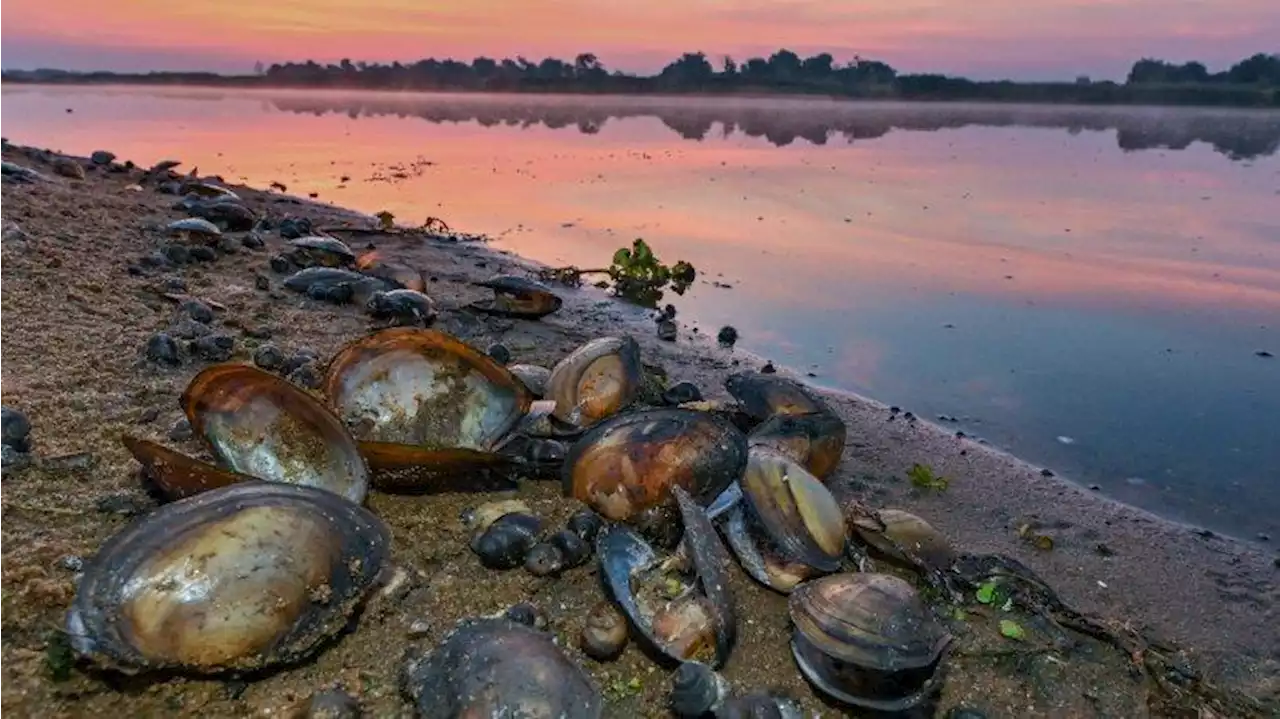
(765, 395)
(241, 578)
(427, 391)
(175, 475)
(515, 296)
(760, 562)
(533, 376)
(595, 381)
(797, 513)
(401, 275)
(496, 667)
(815, 440)
(866, 639)
(629, 463)
(263, 426)
(904, 538)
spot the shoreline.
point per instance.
(1217, 596)
(1130, 104)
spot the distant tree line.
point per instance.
(1254, 81)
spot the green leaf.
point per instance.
(1012, 629)
(622, 256)
(959, 614)
(923, 476)
(987, 593)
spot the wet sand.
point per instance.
(75, 320)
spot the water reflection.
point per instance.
(1240, 135)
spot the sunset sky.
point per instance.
(1041, 39)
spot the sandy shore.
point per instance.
(78, 307)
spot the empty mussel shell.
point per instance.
(242, 577)
(401, 275)
(334, 284)
(699, 621)
(815, 440)
(904, 538)
(765, 395)
(596, 380)
(533, 377)
(426, 397)
(515, 296)
(757, 557)
(629, 463)
(261, 426)
(866, 640)
(498, 668)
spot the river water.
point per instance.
(1088, 288)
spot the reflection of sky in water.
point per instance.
(1108, 295)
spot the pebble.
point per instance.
(1264, 537)
(71, 563)
(727, 336)
(67, 167)
(181, 430)
(1046, 473)
(306, 376)
(189, 329)
(149, 415)
(15, 428)
(333, 704)
(418, 629)
(682, 392)
(768, 368)
(1104, 550)
(253, 240)
(528, 614)
(280, 264)
(163, 349)
(174, 284)
(298, 359)
(499, 353)
(228, 245)
(11, 458)
(667, 330)
(258, 333)
(291, 228)
(177, 254)
(202, 253)
(268, 357)
(214, 348)
(261, 282)
(102, 157)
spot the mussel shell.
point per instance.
(334, 281)
(424, 388)
(516, 296)
(815, 440)
(629, 463)
(760, 705)
(175, 475)
(320, 251)
(393, 272)
(237, 578)
(406, 306)
(194, 226)
(711, 564)
(406, 468)
(905, 538)
(798, 514)
(697, 689)
(596, 380)
(261, 425)
(533, 377)
(496, 667)
(876, 621)
(765, 395)
(762, 565)
(852, 684)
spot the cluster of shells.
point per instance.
(213, 580)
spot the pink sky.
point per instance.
(1042, 39)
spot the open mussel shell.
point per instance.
(691, 626)
(798, 515)
(495, 667)
(175, 475)
(595, 381)
(515, 296)
(905, 538)
(533, 377)
(237, 578)
(815, 440)
(629, 463)
(260, 425)
(765, 395)
(401, 275)
(867, 640)
(759, 562)
(425, 390)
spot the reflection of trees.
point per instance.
(1238, 135)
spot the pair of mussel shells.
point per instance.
(515, 296)
(867, 640)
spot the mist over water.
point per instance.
(1085, 287)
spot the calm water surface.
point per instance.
(1084, 287)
